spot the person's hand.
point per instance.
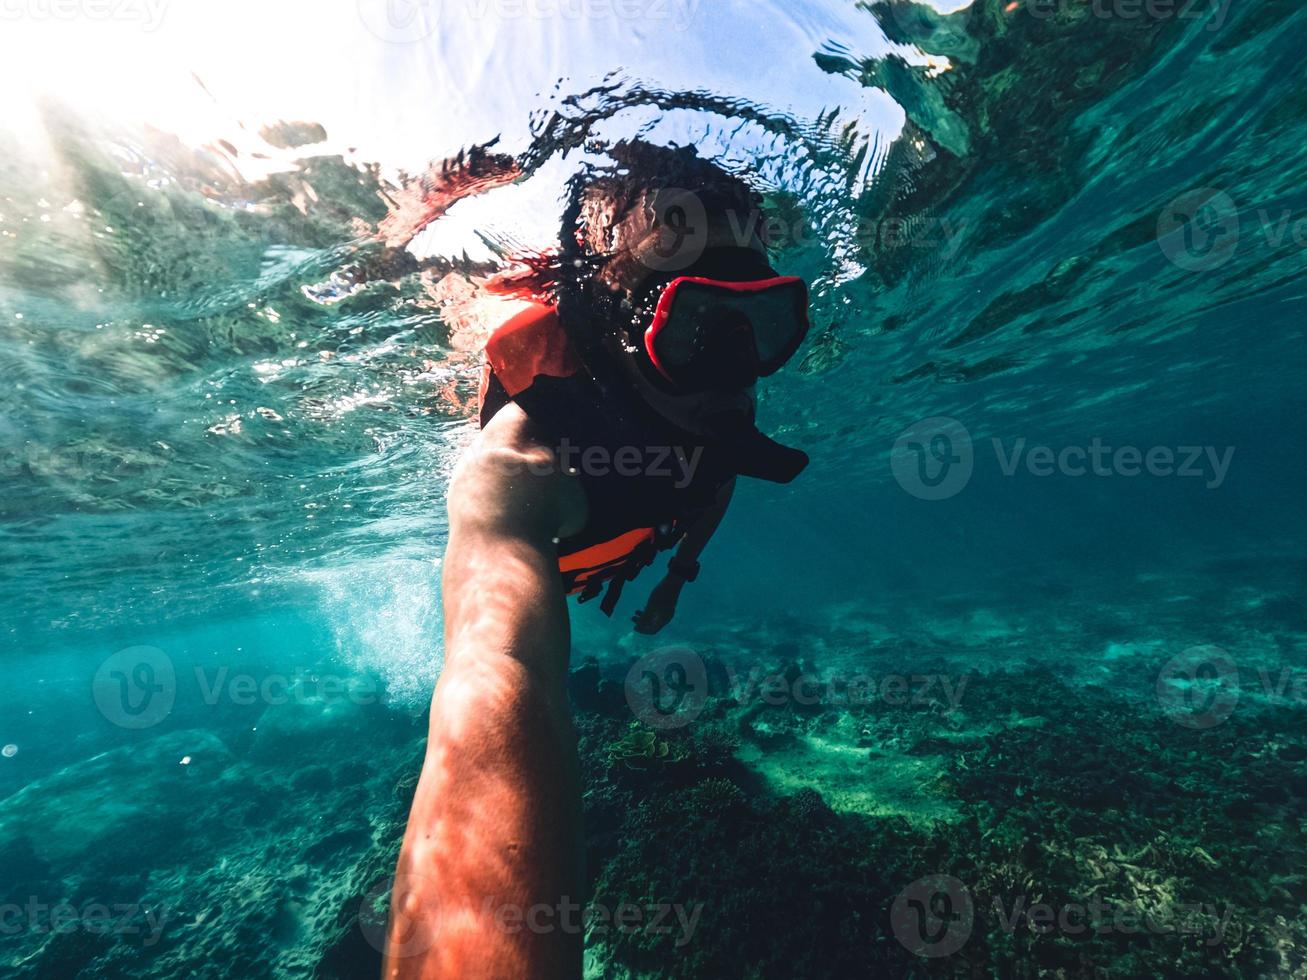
(661, 607)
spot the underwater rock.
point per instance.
(583, 685)
(68, 954)
(352, 773)
(24, 870)
(312, 779)
(590, 691)
(1293, 753)
(123, 807)
(328, 726)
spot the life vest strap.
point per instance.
(616, 562)
(593, 586)
(612, 595)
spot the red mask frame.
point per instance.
(774, 339)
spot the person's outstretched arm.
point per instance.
(489, 880)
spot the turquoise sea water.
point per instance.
(1067, 239)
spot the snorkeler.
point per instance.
(615, 420)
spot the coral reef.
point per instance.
(1012, 771)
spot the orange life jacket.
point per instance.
(531, 361)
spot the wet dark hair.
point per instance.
(599, 199)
